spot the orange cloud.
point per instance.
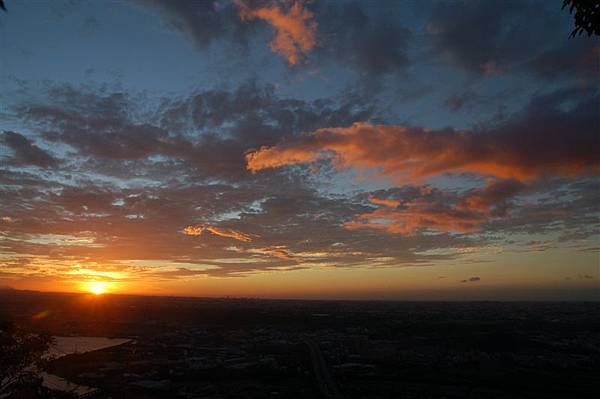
(427, 208)
(228, 233)
(390, 203)
(495, 193)
(409, 153)
(278, 251)
(193, 231)
(295, 29)
(417, 215)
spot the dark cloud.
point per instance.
(575, 57)
(569, 209)
(482, 37)
(499, 37)
(471, 280)
(207, 132)
(98, 125)
(478, 102)
(202, 21)
(459, 101)
(375, 42)
(26, 152)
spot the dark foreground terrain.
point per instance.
(245, 348)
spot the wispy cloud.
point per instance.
(227, 233)
(471, 280)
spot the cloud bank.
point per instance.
(545, 140)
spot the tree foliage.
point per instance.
(587, 16)
(21, 359)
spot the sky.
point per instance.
(389, 150)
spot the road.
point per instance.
(325, 381)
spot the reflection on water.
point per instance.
(56, 383)
(69, 345)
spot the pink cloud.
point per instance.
(295, 29)
(410, 154)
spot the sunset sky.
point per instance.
(300, 149)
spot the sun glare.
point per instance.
(98, 287)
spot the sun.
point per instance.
(98, 287)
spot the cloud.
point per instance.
(205, 133)
(227, 233)
(500, 206)
(574, 58)
(495, 194)
(123, 208)
(193, 230)
(278, 251)
(471, 280)
(510, 156)
(511, 37)
(480, 38)
(289, 224)
(390, 203)
(371, 40)
(411, 209)
(204, 22)
(180, 272)
(417, 216)
(460, 101)
(26, 152)
(98, 125)
(295, 28)
(511, 151)
(484, 38)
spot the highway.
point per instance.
(325, 382)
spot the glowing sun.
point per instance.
(98, 287)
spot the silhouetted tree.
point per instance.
(587, 16)
(21, 360)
